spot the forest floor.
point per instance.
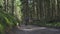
(31, 29)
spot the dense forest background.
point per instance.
(39, 12)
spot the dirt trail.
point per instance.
(30, 29)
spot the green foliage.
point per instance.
(47, 24)
(18, 11)
(7, 20)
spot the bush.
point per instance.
(7, 20)
(47, 24)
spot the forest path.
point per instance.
(30, 29)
